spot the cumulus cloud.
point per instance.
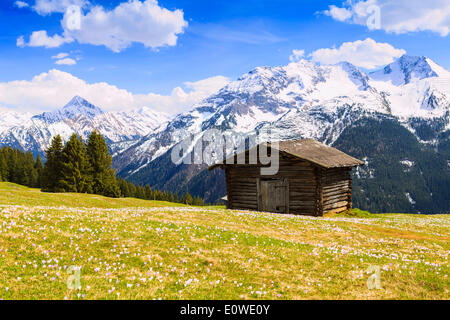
(134, 21)
(296, 55)
(21, 4)
(340, 14)
(400, 16)
(41, 39)
(66, 61)
(367, 54)
(51, 90)
(130, 22)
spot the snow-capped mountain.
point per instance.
(75, 109)
(409, 68)
(300, 100)
(120, 129)
(9, 119)
(303, 100)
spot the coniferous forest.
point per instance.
(78, 166)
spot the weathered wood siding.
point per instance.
(243, 182)
(337, 190)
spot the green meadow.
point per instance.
(80, 246)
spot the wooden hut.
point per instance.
(312, 179)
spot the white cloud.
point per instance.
(296, 55)
(21, 4)
(130, 22)
(66, 61)
(44, 7)
(367, 54)
(41, 39)
(400, 16)
(340, 14)
(134, 21)
(51, 90)
(61, 55)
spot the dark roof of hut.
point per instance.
(315, 152)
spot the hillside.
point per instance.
(134, 249)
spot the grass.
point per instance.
(136, 249)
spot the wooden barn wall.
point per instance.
(303, 185)
(337, 189)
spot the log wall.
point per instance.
(337, 190)
(303, 186)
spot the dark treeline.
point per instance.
(78, 167)
(20, 167)
(145, 192)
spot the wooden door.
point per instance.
(274, 196)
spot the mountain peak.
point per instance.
(407, 68)
(76, 107)
(81, 103)
(77, 100)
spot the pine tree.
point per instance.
(30, 176)
(123, 185)
(148, 192)
(52, 172)
(103, 176)
(39, 169)
(75, 169)
(188, 198)
(140, 192)
(132, 190)
(3, 165)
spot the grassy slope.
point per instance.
(157, 251)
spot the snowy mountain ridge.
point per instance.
(305, 100)
(34, 133)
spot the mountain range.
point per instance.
(396, 119)
(34, 133)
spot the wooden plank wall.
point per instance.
(337, 192)
(242, 185)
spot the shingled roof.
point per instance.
(318, 153)
(315, 152)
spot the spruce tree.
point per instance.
(39, 169)
(75, 175)
(188, 198)
(123, 185)
(3, 165)
(30, 176)
(132, 190)
(52, 172)
(148, 192)
(103, 176)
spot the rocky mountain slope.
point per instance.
(119, 128)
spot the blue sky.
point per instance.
(222, 38)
